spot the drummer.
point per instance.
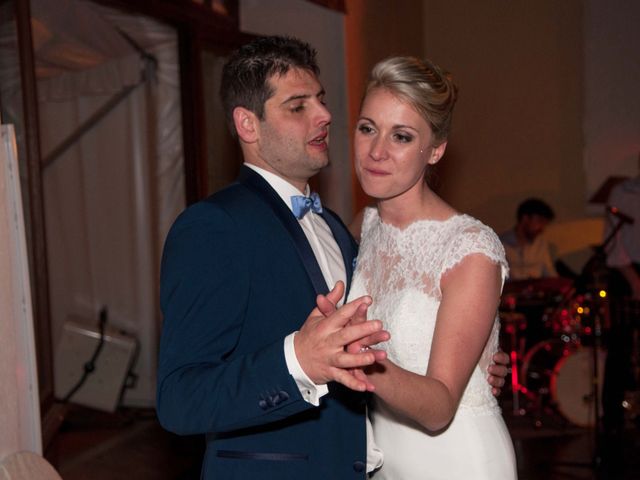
(531, 288)
(527, 250)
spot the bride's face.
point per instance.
(393, 146)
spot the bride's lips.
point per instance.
(376, 172)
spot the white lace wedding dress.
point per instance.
(401, 270)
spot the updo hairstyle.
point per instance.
(425, 86)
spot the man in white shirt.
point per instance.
(527, 250)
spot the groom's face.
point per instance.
(293, 137)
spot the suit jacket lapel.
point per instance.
(257, 184)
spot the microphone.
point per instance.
(615, 211)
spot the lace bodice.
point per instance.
(401, 270)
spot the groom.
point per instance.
(242, 359)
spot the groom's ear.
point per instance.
(246, 124)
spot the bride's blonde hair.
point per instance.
(422, 84)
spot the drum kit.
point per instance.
(553, 329)
(552, 334)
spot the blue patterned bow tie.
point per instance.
(301, 204)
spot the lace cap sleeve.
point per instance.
(475, 237)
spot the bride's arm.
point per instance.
(470, 297)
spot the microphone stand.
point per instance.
(596, 269)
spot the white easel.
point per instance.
(19, 400)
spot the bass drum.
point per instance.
(564, 371)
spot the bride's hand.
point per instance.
(326, 305)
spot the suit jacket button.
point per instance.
(263, 404)
(282, 396)
(359, 466)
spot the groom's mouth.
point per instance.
(320, 141)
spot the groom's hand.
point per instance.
(320, 343)
(498, 371)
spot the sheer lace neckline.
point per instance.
(415, 257)
(415, 223)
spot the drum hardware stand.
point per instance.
(541, 404)
(595, 268)
(596, 457)
(515, 322)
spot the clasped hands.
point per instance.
(329, 344)
(333, 344)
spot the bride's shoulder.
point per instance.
(471, 236)
(474, 231)
(468, 223)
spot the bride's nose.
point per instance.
(378, 150)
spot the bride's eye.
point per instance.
(403, 137)
(364, 128)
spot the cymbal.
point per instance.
(602, 194)
(546, 286)
(512, 317)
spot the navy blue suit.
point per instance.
(238, 275)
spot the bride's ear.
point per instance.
(437, 153)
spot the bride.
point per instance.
(435, 276)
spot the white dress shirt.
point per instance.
(531, 260)
(329, 257)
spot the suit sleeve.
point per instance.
(203, 385)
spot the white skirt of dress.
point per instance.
(474, 447)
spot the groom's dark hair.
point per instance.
(245, 76)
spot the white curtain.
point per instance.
(111, 197)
